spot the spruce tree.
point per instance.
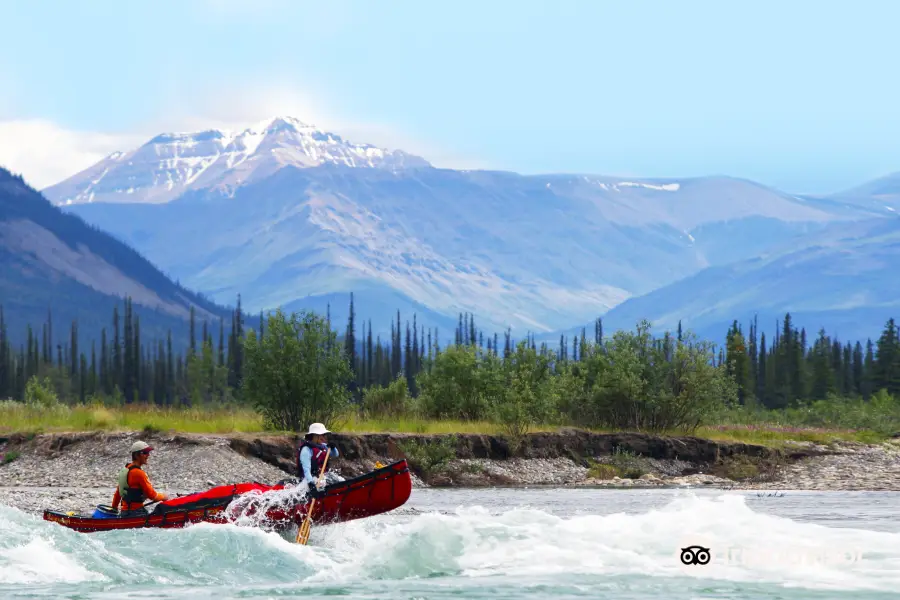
(822, 369)
(105, 378)
(139, 361)
(350, 340)
(887, 360)
(93, 386)
(372, 373)
(82, 378)
(761, 391)
(5, 362)
(221, 357)
(193, 331)
(170, 370)
(117, 379)
(407, 354)
(858, 369)
(868, 384)
(128, 363)
(73, 342)
(847, 377)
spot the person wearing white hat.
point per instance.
(311, 454)
(134, 485)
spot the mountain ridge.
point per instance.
(833, 281)
(531, 252)
(55, 261)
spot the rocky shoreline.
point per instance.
(76, 471)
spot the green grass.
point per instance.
(770, 434)
(20, 418)
(17, 417)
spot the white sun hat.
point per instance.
(317, 428)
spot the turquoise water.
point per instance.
(531, 543)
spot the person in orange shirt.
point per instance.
(134, 485)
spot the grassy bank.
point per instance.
(22, 418)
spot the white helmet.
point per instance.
(139, 446)
(318, 429)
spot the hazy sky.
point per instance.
(799, 95)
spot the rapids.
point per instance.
(505, 543)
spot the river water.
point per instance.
(497, 543)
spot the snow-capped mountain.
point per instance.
(294, 225)
(171, 164)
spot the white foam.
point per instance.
(39, 561)
(521, 546)
(525, 544)
(248, 510)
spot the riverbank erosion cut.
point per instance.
(76, 471)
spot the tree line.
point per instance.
(789, 368)
(584, 379)
(124, 366)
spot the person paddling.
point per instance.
(311, 454)
(134, 486)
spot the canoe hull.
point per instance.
(368, 495)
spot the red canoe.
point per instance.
(371, 494)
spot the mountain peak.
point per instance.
(171, 164)
(281, 123)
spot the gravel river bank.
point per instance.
(77, 471)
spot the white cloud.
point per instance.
(46, 153)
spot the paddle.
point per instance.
(303, 532)
(176, 495)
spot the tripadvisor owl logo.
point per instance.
(695, 555)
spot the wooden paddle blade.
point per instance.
(303, 532)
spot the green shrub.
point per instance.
(40, 394)
(426, 458)
(392, 401)
(461, 383)
(526, 398)
(473, 468)
(641, 384)
(630, 464)
(603, 471)
(297, 373)
(738, 468)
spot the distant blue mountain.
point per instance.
(289, 215)
(54, 265)
(840, 279)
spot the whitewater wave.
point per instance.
(519, 547)
(249, 510)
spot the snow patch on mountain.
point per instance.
(666, 187)
(617, 187)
